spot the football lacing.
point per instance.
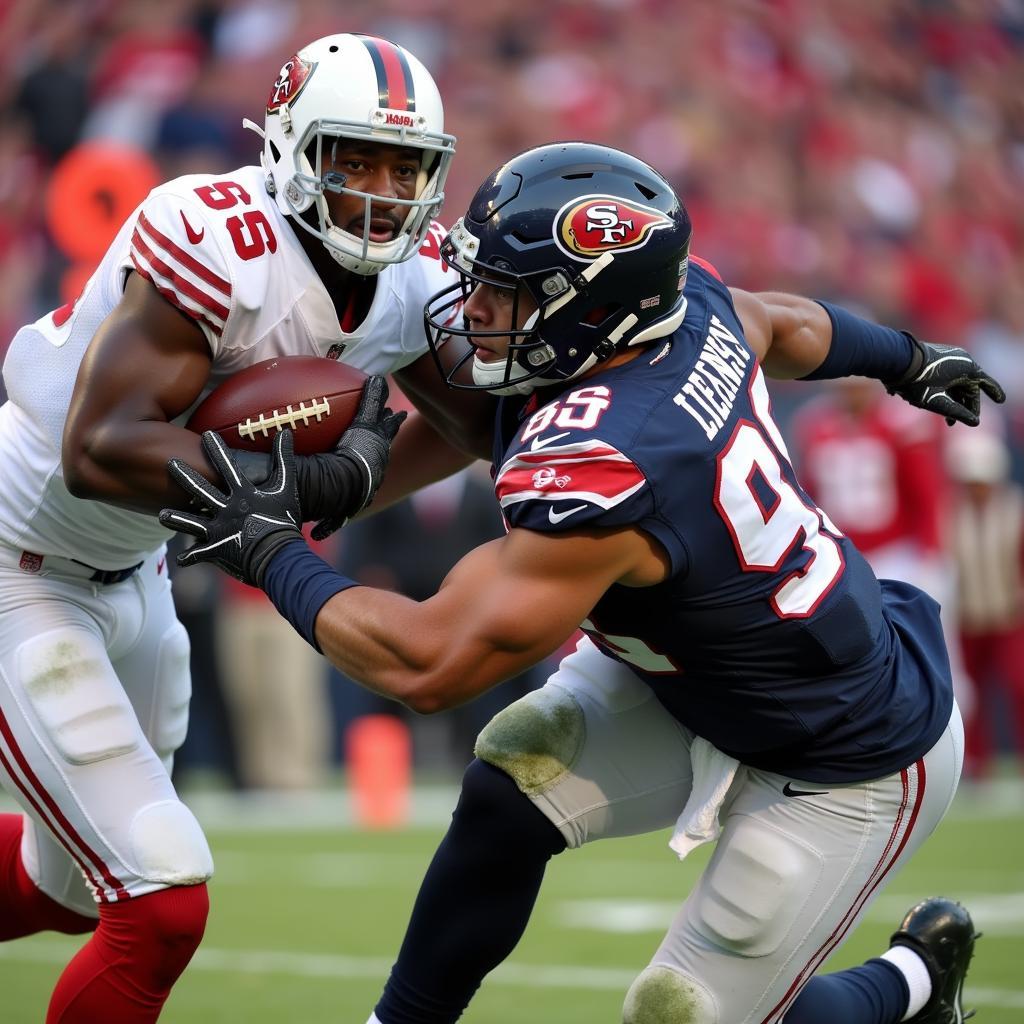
(291, 417)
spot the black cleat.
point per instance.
(942, 933)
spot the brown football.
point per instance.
(316, 397)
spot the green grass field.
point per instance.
(305, 923)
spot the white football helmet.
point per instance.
(354, 87)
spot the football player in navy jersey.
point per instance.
(743, 677)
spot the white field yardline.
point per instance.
(332, 966)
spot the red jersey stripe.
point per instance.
(601, 475)
(183, 285)
(188, 261)
(174, 299)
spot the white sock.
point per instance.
(374, 1019)
(914, 970)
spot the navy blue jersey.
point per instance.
(771, 638)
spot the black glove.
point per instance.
(365, 448)
(242, 530)
(944, 379)
(336, 485)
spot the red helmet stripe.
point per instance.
(394, 76)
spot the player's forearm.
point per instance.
(429, 655)
(125, 464)
(465, 419)
(861, 348)
(391, 645)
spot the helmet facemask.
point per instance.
(527, 357)
(308, 186)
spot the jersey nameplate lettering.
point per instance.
(710, 390)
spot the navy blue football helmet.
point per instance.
(597, 239)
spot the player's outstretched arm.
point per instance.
(796, 337)
(504, 607)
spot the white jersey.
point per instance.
(218, 248)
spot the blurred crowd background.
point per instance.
(866, 151)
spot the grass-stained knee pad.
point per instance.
(169, 846)
(662, 995)
(536, 740)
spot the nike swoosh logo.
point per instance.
(557, 517)
(788, 790)
(195, 237)
(542, 442)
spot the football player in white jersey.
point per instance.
(327, 249)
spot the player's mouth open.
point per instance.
(381, 229)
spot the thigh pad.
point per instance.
(69, 682)
(754, 888)
(173, 692)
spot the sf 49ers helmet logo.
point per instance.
(585, 228)
(293, 76)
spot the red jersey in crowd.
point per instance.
(874, 464)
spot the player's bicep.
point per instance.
(756, 322)
(789, 334)
(147, 361)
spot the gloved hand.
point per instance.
(366, 446)
(944, 379)
(335, 485)
(239, 531)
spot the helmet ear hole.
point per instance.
(601, 314)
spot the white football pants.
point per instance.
(94, 693)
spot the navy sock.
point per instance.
(874, 993)
(475, 900)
